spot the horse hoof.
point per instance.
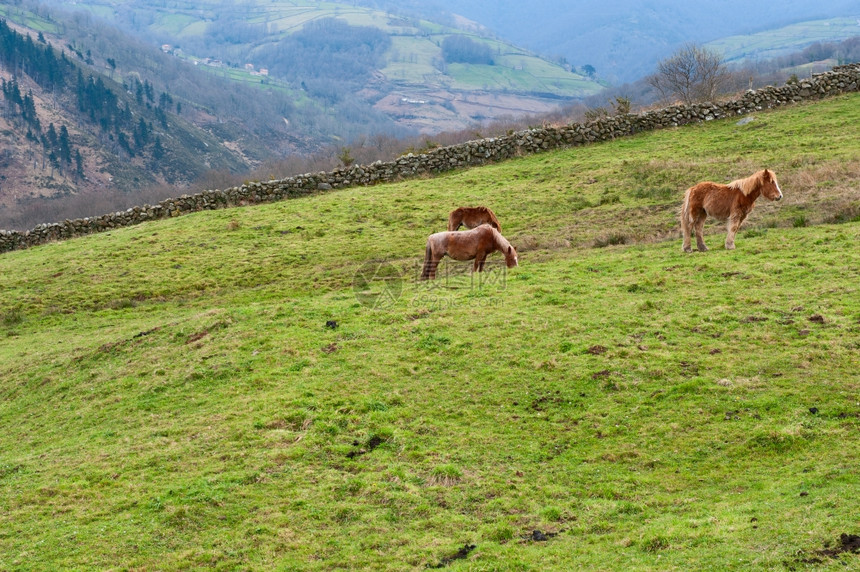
(686, 249)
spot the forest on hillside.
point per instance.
(259, 109)
(328, 58)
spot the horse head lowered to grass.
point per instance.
(732, 202)
(467, 245)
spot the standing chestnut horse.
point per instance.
(470, 217)
(476, 243)
(732, 202)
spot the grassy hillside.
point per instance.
(773, 43)
(625, 39)
(411, 61)
(220, 390)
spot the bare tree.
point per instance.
(692, 74)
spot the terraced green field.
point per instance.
(270, 388)
(413, 61)
(781, 41)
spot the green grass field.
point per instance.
(220, 390)
(28, 19)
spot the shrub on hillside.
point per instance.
(462, 49)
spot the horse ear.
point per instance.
(510, 249)
(768, 174)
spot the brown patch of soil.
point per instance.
(371, 444)
(539, 536)
(848, 544)
(461, 554)
(198, 336)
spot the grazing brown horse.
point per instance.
(476, 243)
(471, 217)
(732, 202)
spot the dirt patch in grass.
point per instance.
(197, 337)
(848, 544)
(461, 554)
(146, 332)
(372, 443)
(539, 536)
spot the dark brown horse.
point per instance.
(471, 217)
(476, 243)
(732, 202)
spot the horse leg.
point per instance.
(699, 226)
(690, 212)
(434, 265)
(685, 230)
(479, 263)
(425, 269)
(733, 226)
(431, 262)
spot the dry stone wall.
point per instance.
(840, 79)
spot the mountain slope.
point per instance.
(219, 391)
(624, 40)
(777, 42)
(206, 76)
(412, 67)
(65, 129)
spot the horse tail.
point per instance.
(428, 261)
(686, 219)
(454, 219)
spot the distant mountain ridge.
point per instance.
(410, 66)
(624, 39)
(167, 112)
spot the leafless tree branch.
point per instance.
(692, 74)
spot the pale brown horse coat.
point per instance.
(471, 217)
(732, 202)
(467, 245)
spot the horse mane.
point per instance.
(490, 214)
(499, 239)
(747, 185)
